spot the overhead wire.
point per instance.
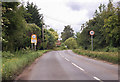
(60, 21)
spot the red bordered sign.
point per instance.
(92, 32)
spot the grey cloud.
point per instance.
(74, 6)
(78, 6)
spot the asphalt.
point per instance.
(66, 65)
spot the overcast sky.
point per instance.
(59, 13)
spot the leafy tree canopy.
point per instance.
(67, 33)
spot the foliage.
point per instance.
(106, 25)
(54, 33)
(107, 56)
(63, 46)
(67, 33)
(32, 29)
(71, 43)
(83, 38)
(49, 39)
(19, 23)
(112, 31)
(11, 67)
(33, 15)
(13, 26)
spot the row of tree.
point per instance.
(19, 22)
(105, 23)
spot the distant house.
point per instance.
(58, 43)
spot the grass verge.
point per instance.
(14, 63)
(106, 56)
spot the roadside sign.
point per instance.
(92, 32)
(33, 41)
(33, 38)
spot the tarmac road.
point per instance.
(66, 65)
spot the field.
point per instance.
(106, 56)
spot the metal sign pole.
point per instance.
(31, 46)
(92, 42)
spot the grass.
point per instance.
(14, 63)
(107, 56)
(0, 65)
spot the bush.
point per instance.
(63, 47)
(110, 49)
(71, 43)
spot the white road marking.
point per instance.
(61, 55)
(96, 78)
(78, 67)
(67, 59)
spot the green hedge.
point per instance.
(11, 67)
(107, 56)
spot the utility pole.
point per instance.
(43, 35)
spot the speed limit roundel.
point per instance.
(34, 36)
(92, 32)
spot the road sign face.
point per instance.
(92, 32)
(33, 38)
(33, 41)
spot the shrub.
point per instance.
(63, 47)
(71, 43)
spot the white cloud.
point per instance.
(58, 13)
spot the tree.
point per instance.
(112, 31)
(106, 25)
(54, 33)
(83, 38)
(13, 24)
(29, 30)
(33, 15)
(49, 41)
(71, 43)
(67, 33)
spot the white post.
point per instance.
(35, 46)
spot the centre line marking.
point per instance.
(78, 67)
(67, 59)
(96, 78)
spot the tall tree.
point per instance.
(33, 15)
(67, 33)
(13, 24)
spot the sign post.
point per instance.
(92, 33)
(33, 40)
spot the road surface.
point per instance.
(66, 65)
